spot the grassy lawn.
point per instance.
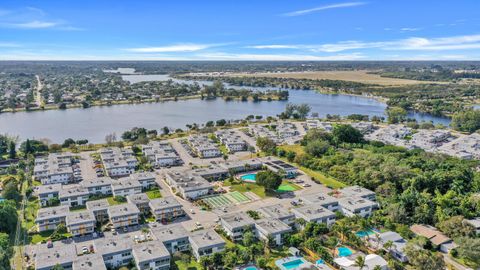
(30, 214)
(153, 194)
(246, 187)
(39, 237)
(112, 201)
(192, 265)
(297, 148)
(328, 181)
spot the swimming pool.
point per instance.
(250, 268)
(251, 177)
(293, 264)
(344, 251)
(362, 234)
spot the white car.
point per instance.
(192, 211)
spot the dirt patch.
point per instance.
(361, 76)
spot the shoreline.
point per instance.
(170, 99)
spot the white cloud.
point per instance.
(277, 57)
(274, 46)
(172, 48)
(410, 29)
(325, 7)
(414, 44)
(31, 25)
(32, 18)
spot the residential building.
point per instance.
(232, 141)
(475, 223)
(205, 243)
(118, 162)
(123, 215)
(73, 195)
(161, 154)
(151, 256)
(188, 185)
(141, 200)
(80, 222)
(273, 229)
(358, 191)
(173, 236)
(280, 167)
(437, 238)
(397, 247)
(351, 206)
(243, 165)
(98, 186)
(314, 213)
(126, 186)
(49, 218)
(92, 261)
(47, 193)
(321, 199)
(167, 208)
(277, 211)
(235, 224)
(99, 208)
(54, 169)
(146, 179)
(203, 146)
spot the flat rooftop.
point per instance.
(239, 219)
(164, 203)
(123, 210)
(148, 251)
(96, 205)
(205, 238)
(271, 226)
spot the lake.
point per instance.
(96, 122)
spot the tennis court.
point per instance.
(239, 197)
(223, 200)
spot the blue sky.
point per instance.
(240, 30)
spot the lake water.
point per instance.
(96, 122)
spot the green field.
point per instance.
(153, 194)
(286, 187)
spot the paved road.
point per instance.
(38, 91)
(86, 166)
(453, 263)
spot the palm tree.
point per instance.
(360, 262)
(342, 230)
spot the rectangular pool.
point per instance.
(293, 264)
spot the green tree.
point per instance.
(8, 217)
(360, 262)
(423, 259)
(470, 249)
(266, 145)
(346, 134)
(396, 115)
(467, 121)
(317, 148)
(12, 151)
(57, 267)
(11, 192)
(269, 180)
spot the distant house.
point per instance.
(398, 244)
(475, 223)
(438, 239)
